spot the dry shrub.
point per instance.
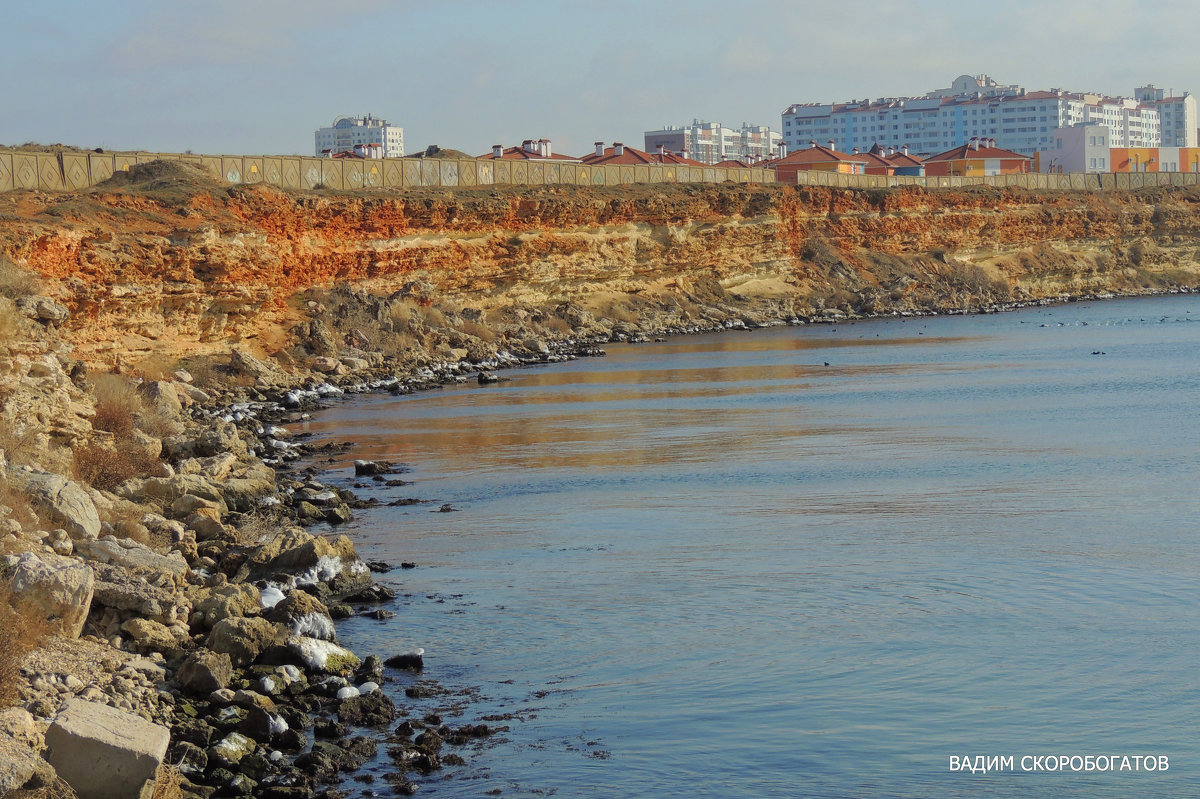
(10, 320)
(58, 789)
(401, 313)
(157, 422)
(20, 633)
(17, 282)
(557, 326)
(431, 317)
(117, 401)
(18, 505)
(105, 468)
(477, 329)
(168, 783)
(259, 528)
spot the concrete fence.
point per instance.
(79, 170)
(1074, 181)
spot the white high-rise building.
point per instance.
(712, 142)
(1177, 114)
(346, 132)
(978, 107)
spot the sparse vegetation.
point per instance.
(117, 401)
(105, 467)
(17, 282)
(20, 633)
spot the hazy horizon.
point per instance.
(260, 76)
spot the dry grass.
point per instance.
(19, 444)
(168, 784)
(20, 633)
(477, 329)
(104, 468)
(10, 321)
(18, 503)
(117, 401)
(17, 282)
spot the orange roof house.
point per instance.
(530, 150)
(620, 155)
(977, 157)
(820, 159)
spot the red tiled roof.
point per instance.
(966, 151)
(903, 159)
(521, 154)
(635, 156)
(818, 155)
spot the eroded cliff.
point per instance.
(164, 262)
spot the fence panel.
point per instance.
(520, 173)
(568, 173)
(310, 172)
(449, 173)
(6, 171)
(272, 171)
(373, 174)
(483, 173)
(353, 174)
(252, 169)
(537, 173)
(468, 173)
(503, 172)
(331, 173)
(429, 172)
(231, 168)
(626, 174)
(583, 175)
(75, 171)
(25, 170)
(550, 172)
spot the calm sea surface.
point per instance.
(716, 566)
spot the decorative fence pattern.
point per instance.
(1074, 181)
(57, 171)
(79, 170)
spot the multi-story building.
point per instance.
(710, 142)
(1177, 114)
(1090, 148)
(980, 108)
(345, 132)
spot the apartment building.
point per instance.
(711, 142)
(1090, 148)
(346, 132)
(979, 108)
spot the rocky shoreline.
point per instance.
(201, 609)
(161, 601)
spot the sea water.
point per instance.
(826, 560)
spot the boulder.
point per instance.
(205, 671)
(150, 635)
(313, 559)
(59, 588)
(132, 555)
(220, 439)
(21, 767)
(304, 614)
(324, 656)
(244, 639)
(230, 750)
(165, 490)
(161, 394)
(43, 309)
(103, 752)
(226, 602)
(117, 588)
(67, 504)
(367, 710)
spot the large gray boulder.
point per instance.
(65, 503)
(103, 752)
(132, 555)
(244, 639)
(116, 587)
(205, 671)
(21, 767)
(57, 587)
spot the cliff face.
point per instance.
(165, 261)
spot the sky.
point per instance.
(260, 76)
